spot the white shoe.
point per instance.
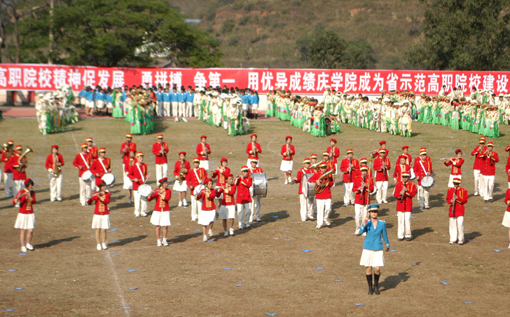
(452, 242)
(357, 232)
(286, 182)
(52, 200)
(461, 242)
(509, 246)
(176, 119)
(99, 247)
(180, 204)
(185, 203)
(241, 227)
(333, 185)
(84, 204)
(318, 227)
(247, 225)
(232, 233)
(385, 201)
(327, 223)
(23, 249)
(143, 214)
(59, 199)
(105, 247)
(210, 233)
(258, 220)
(205, 238)
(165, 243)
(159, 243)
(137, 214)
(251, 220)
(130, 201)
(226, 234)
(193, 219)
(29, 247)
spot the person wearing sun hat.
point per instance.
(488, 172)
(54, 163)
(138, 175)
(287, 152)
(83, 162)
(456, 164)
(404, 192)
(372, 257)
(181, 169)
(25, 221)
(422, 168)
(456, 197)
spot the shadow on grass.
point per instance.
(419, 232)
(55, 242)
(392, 281)
(127, 240)
(471, 236)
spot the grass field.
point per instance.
(67, 276)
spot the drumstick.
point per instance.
(146, 179)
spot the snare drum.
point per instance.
(307, 188)
(86, 176)
(427, 181)
(109, 179)
(259, 184)
(144, 190)
(198, 189)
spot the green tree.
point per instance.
(358, 55)
(326, 49)
(115, 33)
(463, 35)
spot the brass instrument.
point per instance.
(332, 152)
(288, 150)
(8, 150)
(56, 166)
(20, 168)
(319, 189)
(181, 175)
(403, 192)
(126, 150)
(316, 164)
(254, 148)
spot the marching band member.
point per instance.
(383, 147)
(313, 161)
(287, 162)
(203, 152)
(331, 165)
(349, 166)
(381, 166)
(208, 208)
(323, 183)
(488, 172)
(54, 163)
(243, 198)
(220, 174)
(456, 164)
(363, 185)
(181, 170)
(82, 162)
(92, 150)
(255, 205)
(334, 153)
(138, 175)
(456, 197)
(478, 163)
(100, 167)
(161, 214)
(128, 150)
(306, 203)
(400, 168)
(5, 158)
(373, 256)
(409, 157)
(404, 192)
(507, 167)
(19, 165)
(228, 205)
(101, 219)
(196, 179)
(506, 217)
(25, 221)
(422, 168)
(160, 151)
(253, 149)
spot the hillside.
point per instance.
(262, 33)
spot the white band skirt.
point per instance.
(25, 221)
(101, 222)
(227, 212)
(372, 258)
(160, 218)
(180, 187)
(506, 219)
(206, 217)
(286, 166)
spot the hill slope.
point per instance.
(262, 33)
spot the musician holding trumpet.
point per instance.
(203, 152)
(349, 167)
(287, 153)
(381, 166)
(54, 163)
(101, 219)
(456, 197)
(195, 183)
(25, 221)
(323, 182)
(160, 151)
(228, 205)
(404, 192)
(138, 175)
(19, 164)
(161, 214)
(125, 149)
(253, 149)
(488, 172)
(477, 165)
(7, 152)
(181, 169)
(456, 164)
(363, 185)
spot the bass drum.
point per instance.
(259, 184)
(144, 190)
(109, 179)
(427, 181)
(307, 188)
(86, 176)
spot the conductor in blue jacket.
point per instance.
(373, 255)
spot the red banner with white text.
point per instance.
(299, 81)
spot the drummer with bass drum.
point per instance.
(195, 183)
(305, 200)
(82, 162)
(423, 171)
(255, 205)
(101, 167)
(139, 177)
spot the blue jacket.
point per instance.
(189, 96)
(108, 98)
(166, 97)
(160, 95)
(254, 99)
(373, 239)
(100, 96)
(173, 97)
(89, 95)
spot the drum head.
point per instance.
(307, 188)
(198, 189)
(86, 176)
(144, 190)
(427, 181)
(108, 178)
(259, 184)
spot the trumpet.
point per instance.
(316, 164)
(56, 166)
(21, 168)
(126, 150)
(181, 174)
